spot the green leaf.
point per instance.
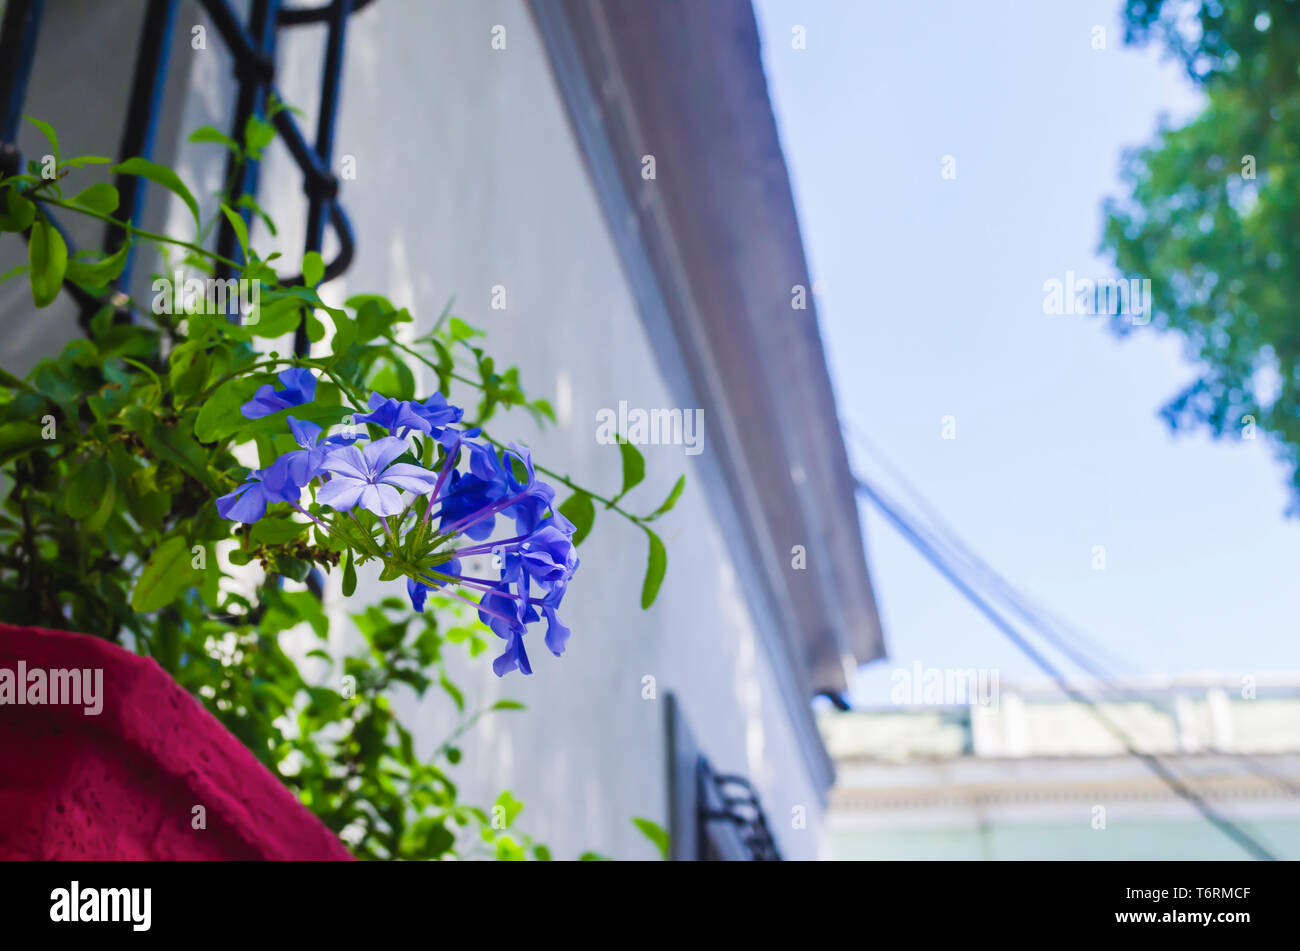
(85, 490)
(507, 705)
(633, 465)
(669, 502)
(316, 333)
(510, 806)
(100, 197)
(172, 444)
(508, 850)
(313, 268)
(258, 134)
(106, 503)
(345, 332)
(208, 134)
(187, 368)
(220, 416)
(47, 130)
(541, 409)
(16, 438)
(581, 511)
(18, 213)
(277, 531)
(166, 576)
(349, 576)
(655, 833)
(240, 227)
(98, 272)
(48, 257)
(275, 318)
(460, 330)
(159, 175)
(452, 691)
(83, 160)
(325, 414)
(654, 571)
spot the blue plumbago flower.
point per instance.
(304, 464)
(369, 477)
(439, 412)
(397, 416)
(466, 506)
(299, 388)
(467, 490)
(508, 615)
(557, 633)
(400, 417)
(418, 591)
(248, 503)
(547, 556)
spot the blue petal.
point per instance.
(557, 632)
(246, 504)
(417, 593)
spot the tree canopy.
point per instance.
(1212, 215)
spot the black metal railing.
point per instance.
(252, 47)
(733, 801)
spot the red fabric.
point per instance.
(123, 784)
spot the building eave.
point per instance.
(712, 249)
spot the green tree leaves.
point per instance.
(1211, 214)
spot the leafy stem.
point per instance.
(132, 230)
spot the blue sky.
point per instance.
(932, 305)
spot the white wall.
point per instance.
(467, 177)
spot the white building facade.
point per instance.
(1035, 775)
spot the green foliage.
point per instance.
(1213, 214)
(633, 466)
(48, 260)
(655, 833)
(657, 565)
(111, 456)
(160, 175)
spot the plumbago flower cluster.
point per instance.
(405, 499)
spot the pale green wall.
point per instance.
(1193, 840)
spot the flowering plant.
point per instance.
(419, 521)
(113, 452)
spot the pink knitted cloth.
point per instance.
(127, 783)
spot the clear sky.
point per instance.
(932, 305)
